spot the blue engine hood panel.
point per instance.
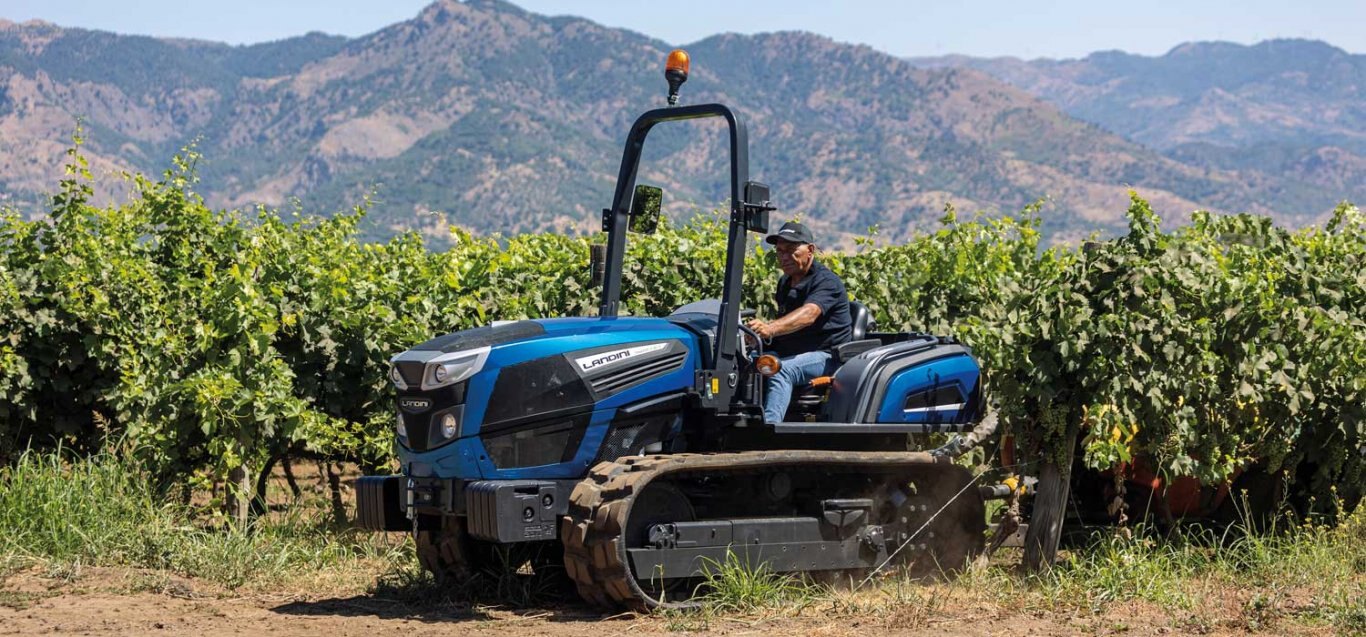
(554, 370)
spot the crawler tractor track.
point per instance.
(595, 530)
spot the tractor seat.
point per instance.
(809, 398)
(862, 321)
(859, 342)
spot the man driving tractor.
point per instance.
(814, 319)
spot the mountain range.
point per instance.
(503, 120)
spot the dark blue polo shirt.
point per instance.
(833, 327)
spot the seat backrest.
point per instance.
(862, 321)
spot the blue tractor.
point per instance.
(632, 451)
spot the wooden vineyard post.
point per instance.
(239, 495)
(240, 489)
(1050, 506)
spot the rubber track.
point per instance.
(598, 508)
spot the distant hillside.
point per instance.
(508, 121)
(1285, 112)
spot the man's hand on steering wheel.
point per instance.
(752, 339)
(761, 329)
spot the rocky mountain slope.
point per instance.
(505, 120)
(1288, 112)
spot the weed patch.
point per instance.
(1115, 568)
(734, 586)
(104, 511)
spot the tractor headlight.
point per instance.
(401, 429)
(454, 367)
(438, 369)
(445, 426)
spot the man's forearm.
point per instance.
(798, 319)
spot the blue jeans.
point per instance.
(796, 371)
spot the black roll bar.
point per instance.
(616, 219)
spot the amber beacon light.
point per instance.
(676, 72)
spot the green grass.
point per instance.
(1198, 579)
(105, 511)
(734, 586)
(1116, 568)
(1308, 573)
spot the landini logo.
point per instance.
(415, 405)
(605, 359)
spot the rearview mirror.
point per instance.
(757, 206)
(645, 209)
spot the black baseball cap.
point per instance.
(791, 231)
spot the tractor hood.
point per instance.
(527, 398)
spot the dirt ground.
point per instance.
(125, 601)
(129, 602)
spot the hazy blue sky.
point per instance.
(1038, 28)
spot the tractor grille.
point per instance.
(547, 443)
(617, 381)
(533, 389)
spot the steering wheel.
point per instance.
(745, 329)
